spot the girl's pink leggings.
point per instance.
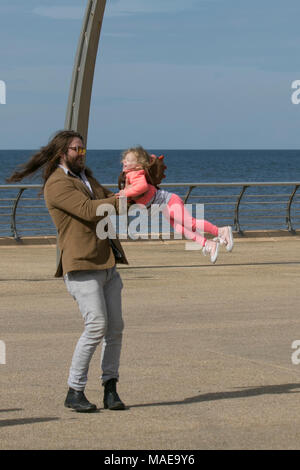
(182, 221)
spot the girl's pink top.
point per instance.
(138, 188)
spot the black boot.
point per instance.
(77, 401)
(111, 399)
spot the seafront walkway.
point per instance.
(207, 354)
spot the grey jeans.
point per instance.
(98, 295)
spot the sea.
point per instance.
(183, 166)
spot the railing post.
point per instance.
(13, 215)
(188, 194)
(288, 211)
(236, 211)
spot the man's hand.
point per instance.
(121, 193)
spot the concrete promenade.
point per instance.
(207, 352)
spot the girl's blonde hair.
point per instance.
(142, 156)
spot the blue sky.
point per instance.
(199, 74)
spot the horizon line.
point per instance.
(166, 148)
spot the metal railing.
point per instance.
(244, 205)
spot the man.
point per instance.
(87, 263)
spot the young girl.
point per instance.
(135, 161)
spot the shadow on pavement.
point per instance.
(15, 422)
(204, 266)
(244, 393)
(11, 409)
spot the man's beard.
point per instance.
(76, 165)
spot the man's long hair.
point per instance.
(47, 157)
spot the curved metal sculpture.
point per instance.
(78, 110)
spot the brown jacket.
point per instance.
(73, 210)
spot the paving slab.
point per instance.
(206, 360)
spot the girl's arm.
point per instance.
(138, 184)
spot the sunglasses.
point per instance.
(79, 150)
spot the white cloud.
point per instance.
(60, 12)
(119, 35)
(118, 8)
(131, 7)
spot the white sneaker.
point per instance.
(211, 247)
(225, 237)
